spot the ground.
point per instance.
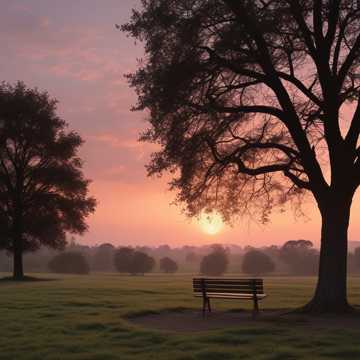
(110, 316)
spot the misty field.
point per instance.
(89, 317)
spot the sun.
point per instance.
(211, 224)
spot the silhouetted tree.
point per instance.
(132, 261)
(191, 257)
(123, 258)
(43, 192)
(215, 263)
(141, 263)
(300, 256)
(69, 263)
(247, 100)
(168, 265)
(256, 262)
(164, 250)
(103, 257)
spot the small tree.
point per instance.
(102, 259)
(141, 263)
(168, 265)
(69, 263)
(300, 257)
(256, 262)
(134, 262)
(215, 263)
(123, 258)
(191, 257)
(44, 194)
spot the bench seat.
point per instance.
(229, 288)
(215, 295)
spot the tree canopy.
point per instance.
(70, 262)
(242, 97)
(256, 262)
(133, 261)
(168, 265)
(215, 263)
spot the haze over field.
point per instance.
(73, 50)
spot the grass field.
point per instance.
(85, 317)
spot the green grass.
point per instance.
(85, 317)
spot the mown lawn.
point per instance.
(85, 317)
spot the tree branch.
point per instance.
(353, 54)
(307, 34)
(295, 81)
(353, 134)
(297, 181)
(291, 120)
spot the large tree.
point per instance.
(255, 102)
(43, 192)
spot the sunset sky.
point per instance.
(72, 49)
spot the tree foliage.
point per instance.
(300, 256)
(256, 262)
(134, 262)
(191, 257)
(244, 95)
(70, 262)
(122, 259)
(215, 263)
(103, 257)
(168, 265)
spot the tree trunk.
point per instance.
(18, 270)
(18, 248)
(331, 290)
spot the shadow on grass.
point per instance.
(143, 313)
(188, 320)
(25, 279)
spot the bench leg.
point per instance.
(208, 303)
(256, 307)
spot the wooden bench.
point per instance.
(229, 288)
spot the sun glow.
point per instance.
(211, 224)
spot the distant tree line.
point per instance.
(295, 257)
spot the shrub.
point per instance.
(256, 262)
(168, 265)
(134, 262)
(69, 263)
(215, 263)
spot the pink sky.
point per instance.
(72, 49)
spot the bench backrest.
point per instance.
(228, 285)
